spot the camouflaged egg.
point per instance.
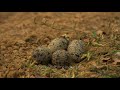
(75, 49)
(60, 58)
(58, 43)
(42, 55)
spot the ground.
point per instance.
(22, 32)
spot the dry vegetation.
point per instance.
(21, 33)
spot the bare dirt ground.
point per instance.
(22, 32)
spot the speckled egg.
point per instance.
(58, 43)
(75, 49)
(60, 58)
(42, 55)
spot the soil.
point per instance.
(22, 32)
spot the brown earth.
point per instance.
(21, 33)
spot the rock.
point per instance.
(42, 55)
(76, 48)
(60, 58)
